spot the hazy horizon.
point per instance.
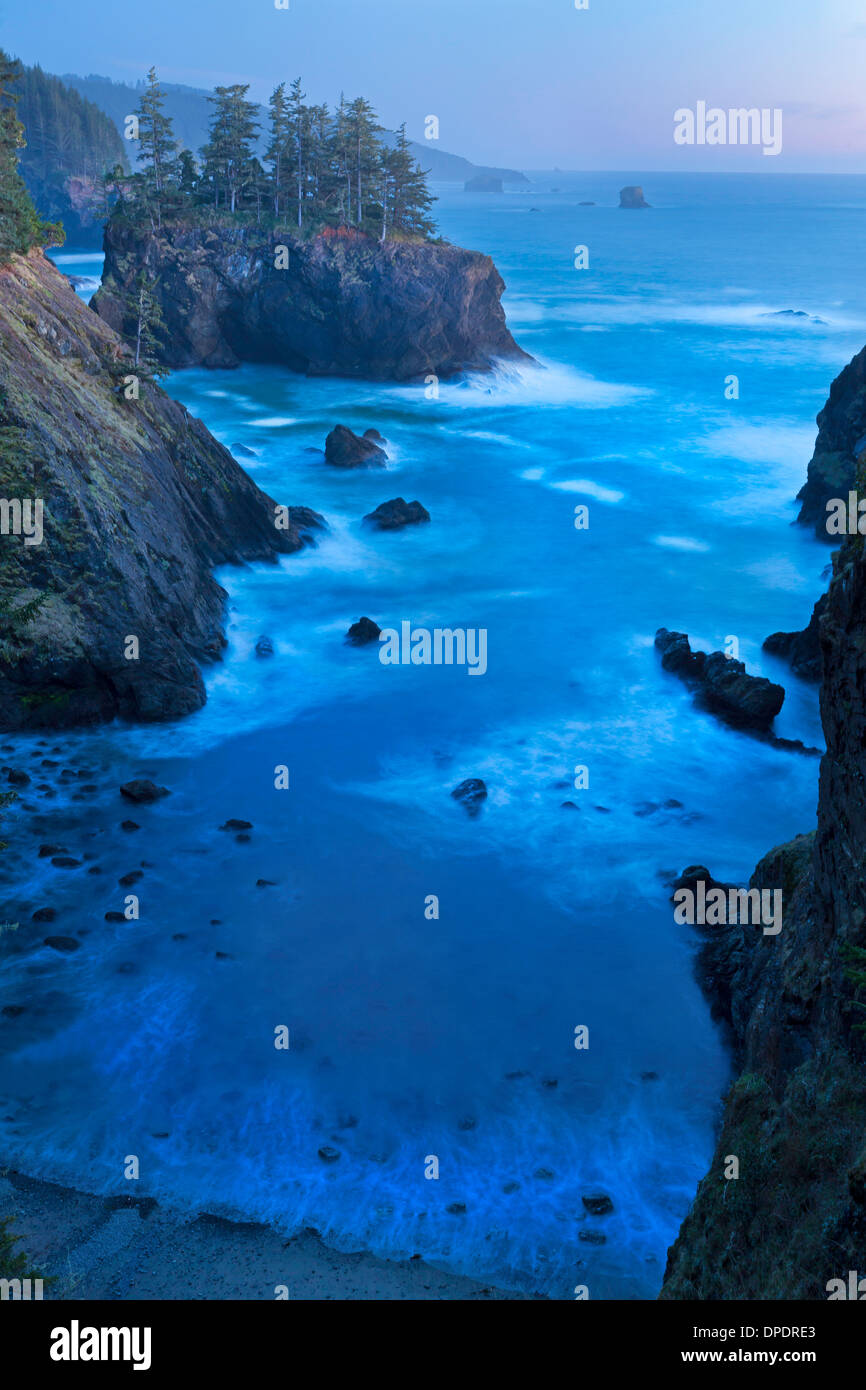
(532, 87)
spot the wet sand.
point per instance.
(128, 1248)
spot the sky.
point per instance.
(532, 84)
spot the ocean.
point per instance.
(416, 1037)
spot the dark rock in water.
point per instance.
(483, 183)
(568, 805)
(305, 521)
(13, 1010)
(632, 197)
(65, 861)
(581, 205)
(456, 1208)
(692, 876)
(328, 1154)
(241, 451)
(347, 306)
(148, 504)
(114, 917)
(17, 777)
(345, 449)
(363, 632)
(46, 851)
(592, 1237)
(45, 914)
(391, 516)
(597, 1203)
(511, 1186)
(801, 649)
(471, 793)
(265, 883)
(840, 449)
(233, 824)
(62, 943)
(141, 790)
(649, 1076)
(264, 647)
(544, 1174)
(127, 880)
(723, 684)
(129, 825)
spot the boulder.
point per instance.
(141, 790)
(363, 632)
(345, 449)
(471, 793)
(393, 515)
(723, 685)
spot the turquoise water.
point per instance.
(455, 1037)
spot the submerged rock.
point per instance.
(142, 791)
(597, 1203)
(471, 793)
(391, 516)
(363, 632)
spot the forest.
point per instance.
(318, 167)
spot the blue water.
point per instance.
(455, 1037)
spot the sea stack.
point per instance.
(632, 197)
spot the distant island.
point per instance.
(321, 255)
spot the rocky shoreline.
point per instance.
(338, 304)
(137, 504)
(794, 1218)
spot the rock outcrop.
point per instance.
(632, 197)
(722, 684)
(345, 449)
(139, 504)
(794, 1220)
(801, 649)
(394, 515)
(839, 461)
(339, 304)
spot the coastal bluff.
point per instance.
(338, 304)
(136, 503)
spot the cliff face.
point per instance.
(139, 502)
(796, 1117)
(840, 449)
(343, 305)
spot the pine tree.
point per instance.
(411, 200)
(155, 135)
(364, 144)
(20, 225)
(229, 153)
(298, 124)
(277, 151)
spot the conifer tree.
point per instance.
(276, 155)
(156, 137)
(20, 225)
(229, 153)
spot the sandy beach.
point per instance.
(122, 1248)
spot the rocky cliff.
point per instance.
(138, 502)
(340, 304)
(795, 1218)
(840, 449)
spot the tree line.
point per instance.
(318, 167)
(21, 227)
